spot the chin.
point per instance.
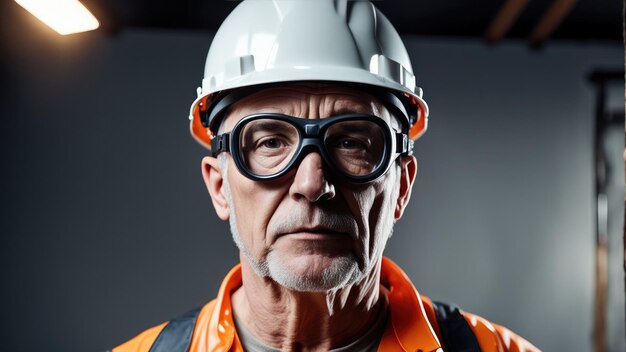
(313, 272)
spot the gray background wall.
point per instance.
(106, 228)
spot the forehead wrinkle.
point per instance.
(347, 105)
(306, 99)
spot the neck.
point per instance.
(305, 321)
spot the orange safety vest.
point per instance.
(412, 325)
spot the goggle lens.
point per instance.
(267, 146)
(355, 147)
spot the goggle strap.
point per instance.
(404, 145)
(220, 144)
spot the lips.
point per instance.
(321, 231)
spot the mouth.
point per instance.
(316, 233)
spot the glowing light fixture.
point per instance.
(64, 16)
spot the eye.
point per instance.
(350, 143)
(271, 143)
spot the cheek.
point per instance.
(381, 216)
(378, 204)
(253, 206)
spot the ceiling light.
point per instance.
(64, 16)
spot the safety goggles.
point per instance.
(358, 147)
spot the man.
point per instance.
(310, 109)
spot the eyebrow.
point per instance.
(265, 126)
(354, 127)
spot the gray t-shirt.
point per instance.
(368, 342)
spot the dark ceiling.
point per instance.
(562, 19)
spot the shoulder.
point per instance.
(496, 337)
(141, 342)
(490, 336)
(144, 341)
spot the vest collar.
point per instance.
(408, 328)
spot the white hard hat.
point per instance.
(264, 42)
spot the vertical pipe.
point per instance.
(601, 215)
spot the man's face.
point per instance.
(310, 230)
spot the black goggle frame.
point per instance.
(311, 133)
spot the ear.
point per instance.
(408, 171)
(214, 181)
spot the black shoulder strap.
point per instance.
(176, 335)
(456, 333)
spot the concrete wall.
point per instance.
(106, 228)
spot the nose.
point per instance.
(310, 181)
